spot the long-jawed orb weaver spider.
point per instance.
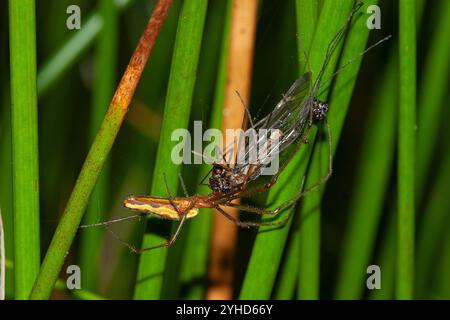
(292, 117)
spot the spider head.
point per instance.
(226, 180)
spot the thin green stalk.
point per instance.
(431, 104)
(61, 285)
(406, 150)
(176, 116)
(105, 78)
(309, 255)
(195, 262)
(66, 230)
(266, 255)
(80, 294)
(442, 279)
(285, 287)
(190, 253)
(25, 144)
(386, 260)
(306, 11)
(6, 192)
(369, 190)
(388, 249)
(433, 87)
(2, 259)
(433, 228)
(58, 64)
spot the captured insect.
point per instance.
(288, 125)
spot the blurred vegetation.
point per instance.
(356, 211)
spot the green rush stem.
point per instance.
(24, 144)
(442, 277)
(431, 104)
(370, 187)
(67, 228)
(58, 64)
(388, 249)
(105, 78)
(386, 259)
(189, 256)
(2, 259)
(406, 150)
(433, 87)
(307, 12)
(309, 255)
(176, 116)
(80, 294)
(432, 229)
(268, 248)
(195, 263)
(61, 285)
(6, 192)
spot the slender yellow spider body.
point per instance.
(162, 207)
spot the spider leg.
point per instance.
(166, 244)
(173, 238)
(251, 209)
(136, 250)
(334, 44)
(180, 214)
(318, 183)
(129, 246)
(106, 223)
(228, 151)
(204, 178)
(250, 224)
(289, 202)
(224, 158)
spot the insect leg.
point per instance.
(333, 45)
(247, 111)
(166, 244)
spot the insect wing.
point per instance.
(282, 126)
